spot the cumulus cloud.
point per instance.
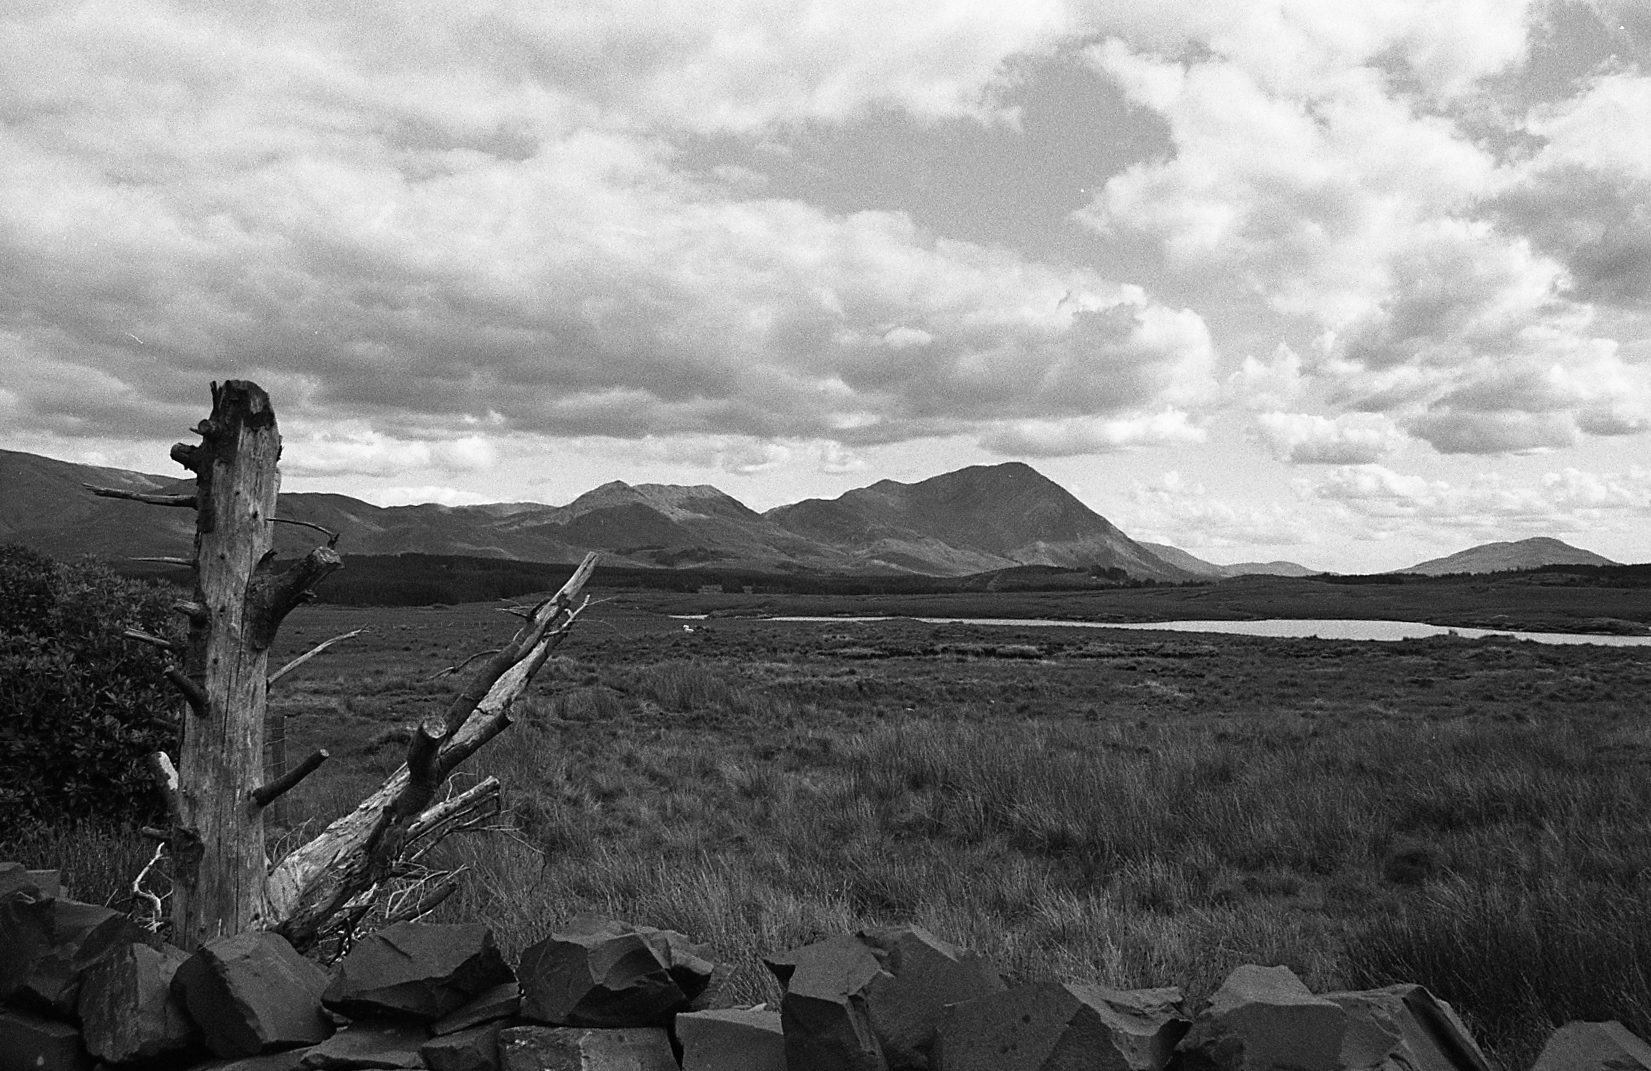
(1180, 511)
(371, 453)
(1349, 439)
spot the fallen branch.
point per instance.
(469, 809)
(311, 653)
(189, 562)
(461, 665)
(184, 501)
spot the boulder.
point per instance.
(873, 1000)
(15, 877)
(602, 973)
(563, 1048)
(1049, 1027)
(473, 1049)
(31, 1043)
(417, 970)
(47, 944)
(286, 1060)
(127, 1010)
(1404, 1026)
(1260, 1019)
(731, 1039)
(500, 1002)
(252, 994)
(373, 1044)
(1607, 1046)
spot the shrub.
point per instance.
(77, 701)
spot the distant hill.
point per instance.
(975, 520)
(1531, 553)
(1198, 566)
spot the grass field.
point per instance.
(1128, 808)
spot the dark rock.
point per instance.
(1049, 1027)
(31, 1043)
(501, 1002)
(874, 999)
(601, 973)
(731, 1039)
(1607, 1046)
(287, 1060)
(127, 1009)
(472, 1049)
(1260, 1019)
(1405, 1026)
(47, 944)
(40, 884)
(252, 994)
(565, 1048)
(418, 970)
(380, 1044)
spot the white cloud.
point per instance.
(1183, 513)
(1271, 384)
(371, 453)
(1085, 435)
(1349, 439)
(412, 496)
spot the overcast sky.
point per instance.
(1349, 282)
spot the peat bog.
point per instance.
(1132, 808)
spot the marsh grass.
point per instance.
(1136, 811)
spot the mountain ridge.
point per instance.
(1499, 557)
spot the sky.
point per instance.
(1352, 283)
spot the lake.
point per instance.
(1324, 629)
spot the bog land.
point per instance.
(1131, 808)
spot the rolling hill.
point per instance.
(1530, 553)
(1193, 564)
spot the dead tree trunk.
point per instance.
(216, 794)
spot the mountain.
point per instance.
(1178, 557)
(974, 520)
(1505, 557)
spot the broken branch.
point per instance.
(186, 562)
(461, 665)
(166, 780)
(151, 639)
(186, 501)
(272, 597)
(193, 694)
(311, 653)
(264, 795)
(332, 536)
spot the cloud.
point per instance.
(412, 496)
(1349, 439)
(1183, 513)
(1567, 501)
(1084, 435)
(371, 453)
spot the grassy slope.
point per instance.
(1135, 809)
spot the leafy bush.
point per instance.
(77, 701)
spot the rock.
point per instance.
(127, 1010)
(418, 970)
(564, 1048)
(1049, 1026)
(252, 994)
(472, 1049)
(31, 1043)
(501, 1002)
(40, 884)
(730, 1039)
(1404, 1026)
(1260, 1019)
(47, 944)
(374, 1044)
(601, 973)
(1607, 1046)
(287, 1060)
(874, 999)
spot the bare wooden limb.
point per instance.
(332, 536)
(151, 639)
(514, 611)
(186, 562)
(264, 795)
(311, 653)
(423, 777)
(154, 834)
(153, 918)
(424, 898)
(313, 883)
(184, 501)
(272, 596)
(461, 665)
(166, 780)
(194, 611)
(193, 694)
(467, 810)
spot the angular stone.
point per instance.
(472, 1049)
(1049, 1027)
(1260, 1019)
(731, 1039)
(1580, 1046)
(826, 1021)
(40, 884)
(31, 1043)
(1405, 1026)
(501, 1002)
(252, 994)
(572, 1048)
(874, 999)
(47, 944)
(286, 1060)
(127, 1010)
(921, 975)
(370, 1044)
(418, 970)
(601, 973)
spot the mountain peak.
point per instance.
(1531, 553)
